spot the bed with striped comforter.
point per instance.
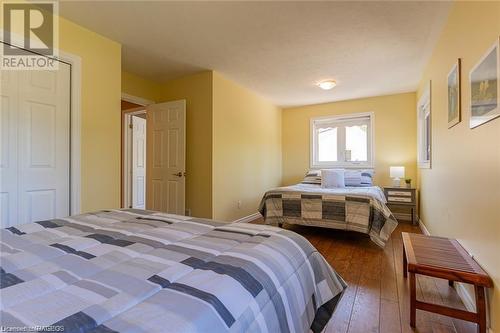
(360, 209)
(142, 271)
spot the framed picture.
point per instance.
(485, 88)
(454, 98)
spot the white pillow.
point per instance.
(331, 178)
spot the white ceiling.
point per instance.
(277, 49)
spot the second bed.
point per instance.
(361, 209)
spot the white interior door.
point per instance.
(166, 165)
(138, 162)
(35, 166)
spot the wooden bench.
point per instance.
(444, 258)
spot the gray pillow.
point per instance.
(359, 178)
(367, 177)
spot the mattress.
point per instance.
(143, 271)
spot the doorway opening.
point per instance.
(134, 125)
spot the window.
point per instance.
(424, 130)
(342, 141)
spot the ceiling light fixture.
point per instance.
(327, 84)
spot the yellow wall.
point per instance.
(246, 149)
(196, 89)
(460, 195)
(100, 114)
(139, 87)
(395, 134)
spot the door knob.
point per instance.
(178, 174)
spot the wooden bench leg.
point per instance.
(405, 263)
(481, 309)
(450, 283)
(413, 300)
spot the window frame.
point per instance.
(353, 117)
(424, 111)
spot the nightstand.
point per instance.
(402, 197)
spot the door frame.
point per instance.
(126, 154)
(75, 63)
(136, 100)
(76, 128)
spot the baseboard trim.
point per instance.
(423, 228)
(467, 298)
(249, 218)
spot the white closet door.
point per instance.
(41, 117)
(138, 162)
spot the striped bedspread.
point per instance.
(360, 209)
(141, 271)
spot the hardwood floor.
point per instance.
(377, 298)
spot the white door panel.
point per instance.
(8, 157)
(167, 157)
(41, 205)
(36, 182)
(138, 162)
